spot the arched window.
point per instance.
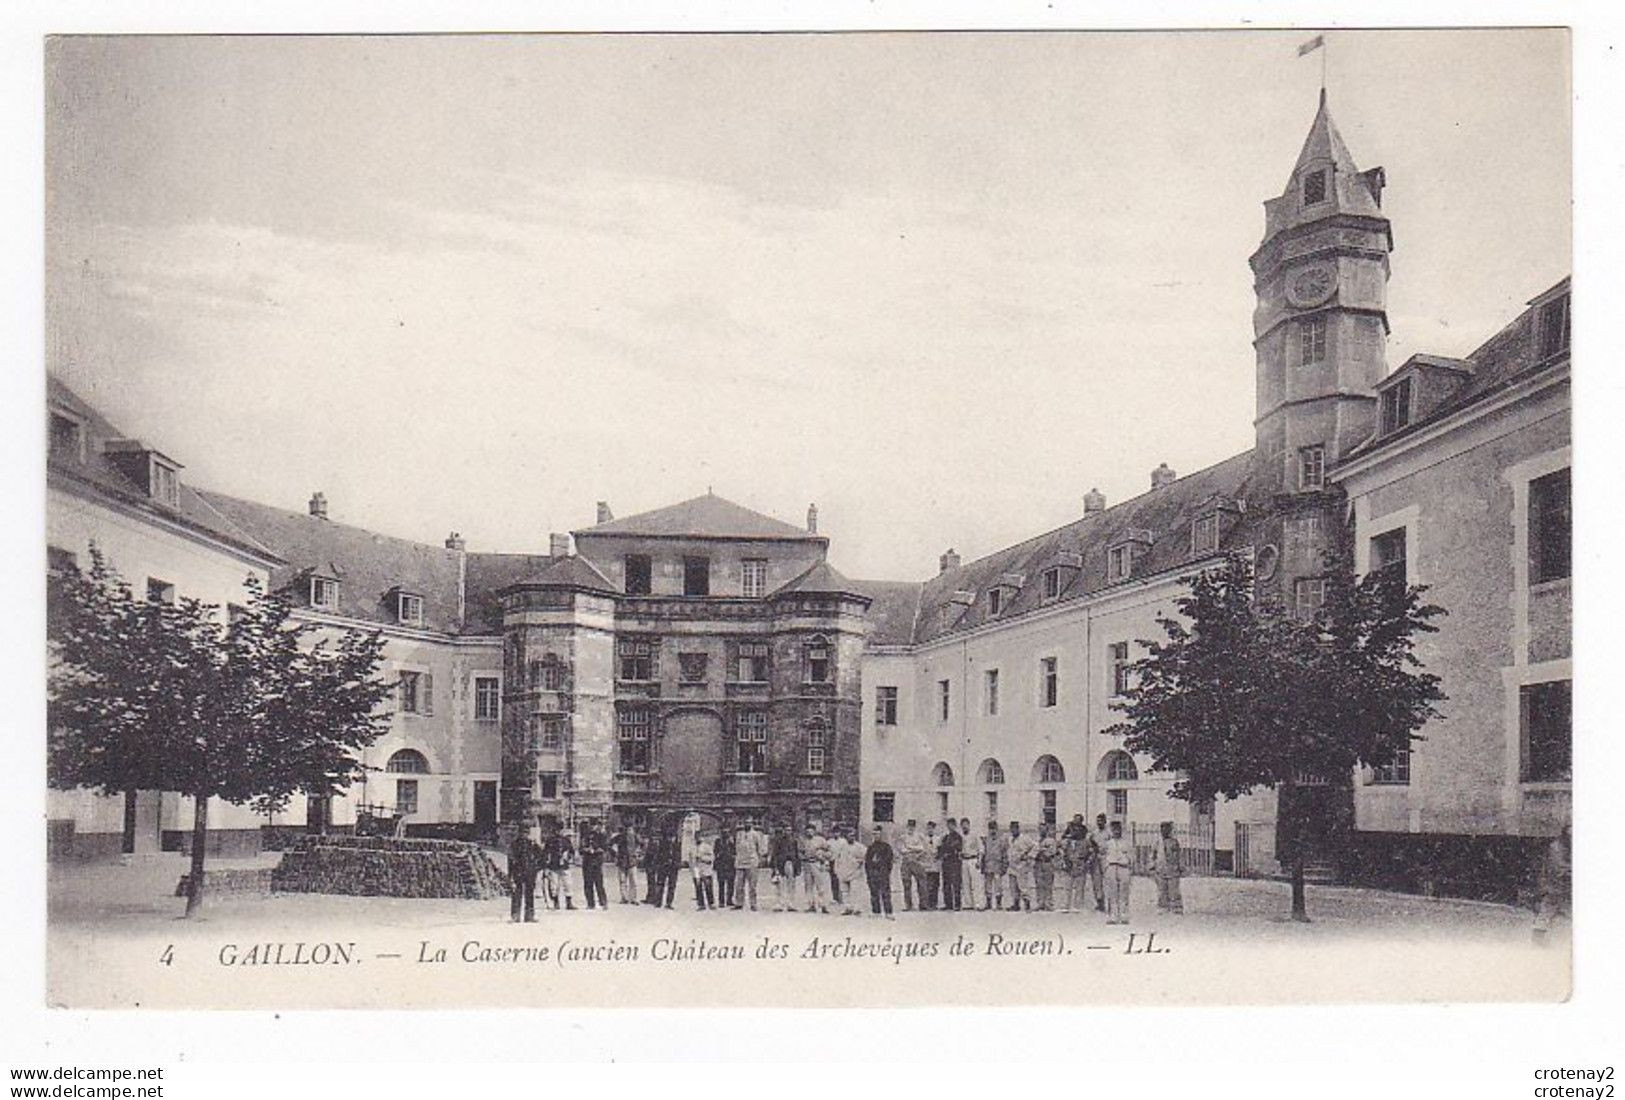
(408, 762)
(1117, 766)
(1048, 770)
(942, 775)
(990, 773)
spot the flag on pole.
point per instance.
(1312, 45)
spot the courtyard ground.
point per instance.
(116, 937)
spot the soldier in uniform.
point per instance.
(1045, 857)
(592, 867)
(1023, 850)
(995, 866)
(524, 860)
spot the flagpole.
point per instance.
(1325, 49)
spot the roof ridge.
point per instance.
(211, 494)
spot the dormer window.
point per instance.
(1205, 534)
(1120, 562)
(409, 608)
(324, 593)
(67, 440)
(1396, 406)
(1553, 325)
(166, 484)
(995, 602)
(1314, 187)
(1052, 584)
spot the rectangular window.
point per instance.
(550, 734)
(817, 749)
(414, 693)
(1388, 553)
(487, 698)
(942, 803)
(819, 665)
(1312, 467)
(1396, 772)
(1049, 682)
(1052, 584)
(1314, 187)
(552, 673)
(753, 577)
(1205, 534)
(696, 576)
(1046, 807)
(1396, 406)
(1120, 562)
(324, 593)
(406, 797)
(991, 690)
(639, 575)
(995, 602)
(992, 805)
(1547, 731)
(693, 667)
(1312, 340)
(753, 743)
(944, 699)
(637, 657)
(885, 706)
(160, 591)
(885, 807)
(1550, 527)
(1554, 327)
(752, 662)
(67, 440)
(1308, 593)
(1119, 803)
(409, 609)
(549, 784)
(1118, 655)
(632, 733)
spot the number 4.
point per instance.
(168, 957)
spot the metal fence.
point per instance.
(1255, 849)
(1195, 847)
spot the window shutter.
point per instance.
(428, 694)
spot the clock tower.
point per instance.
(1319, 326)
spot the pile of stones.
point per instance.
(388, 867)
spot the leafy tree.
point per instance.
(1240, 695)
(246, 706)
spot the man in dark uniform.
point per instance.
(524, 860)
(724, 861)
(877, 864)
(671, 861)
(950, 850)
(592, 866)
(653, 861)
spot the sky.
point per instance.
(940, 284)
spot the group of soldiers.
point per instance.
(820, 871)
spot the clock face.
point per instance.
(1311, 286)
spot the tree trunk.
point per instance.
(1289, 811)
(200, 833)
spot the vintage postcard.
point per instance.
(851, 519)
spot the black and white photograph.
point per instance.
(808, 519)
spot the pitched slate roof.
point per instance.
(570, 572)
(893, 606)
(708, 516)
(488, 574)
(1348, 190)
(1506, 358)
(368, 566)
(821, 578)
(99, 476)
(1165, 513)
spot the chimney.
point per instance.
(558, 545)
(1162, 475)
(318, 505)
(1094, 501)
(454, 541)
(812, 519)
(948, 561)
(604, 514)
